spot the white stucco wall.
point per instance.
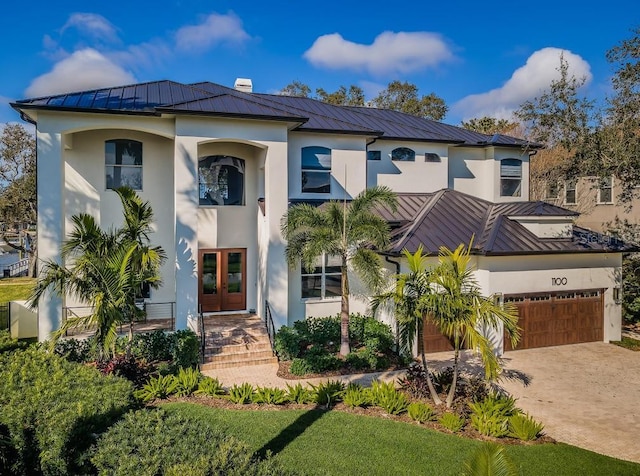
(348, 164)
(417, 177)
(547, 227)
(476, 171)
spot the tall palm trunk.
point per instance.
(454, 381)
(345, 349)
(423, 357)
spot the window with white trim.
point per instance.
(570, 196)
(553, 189)
(510, 178)
(123, 163)
(316, 169)
(605, 190)
(324, 280)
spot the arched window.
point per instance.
(510, 178)
(123, 163)
(221, 180)
(316, 170)
(403, 154)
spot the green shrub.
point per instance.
(270, 396)
(356, 396)
(452, 422)
(210, 387)
(76, 350)
(160, 387)
(300, 367)
(187, 381)
(370, 333)
(320, 331)
(8, 343)
(328, 393)
(299, 394)
(126, 366)
(186, 349)
(51, 408)
(380, 390)
(394, 403)
(420, 412)
(241, 394)
(153, 346)
(154, 442)
(524, 427)
(490, 416)
(287, 343)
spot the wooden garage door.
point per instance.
(558, 318)
(434, 340)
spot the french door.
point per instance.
(222, 279)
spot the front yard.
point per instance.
(320, 442)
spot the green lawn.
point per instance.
(326, 443)
(628, 343)
(15, 289)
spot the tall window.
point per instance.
(403, 154)
(605, 190)
(570, 192)
(316, 170)
(552, 190)
(510, 178)
(123, 163)
(324, 281)
(221, 180)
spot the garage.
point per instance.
(561, 318)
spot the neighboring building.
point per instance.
(221, 166)
(598, 201)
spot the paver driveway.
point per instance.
(587, 395)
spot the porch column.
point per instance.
(276, 203)
(185, 176)
(50, 176)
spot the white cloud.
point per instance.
(388, 54)
(92, 25)
(82, 70)
(213, 30)
(525, 83)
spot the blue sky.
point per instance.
(482, 58)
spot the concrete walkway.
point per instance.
(587, 395)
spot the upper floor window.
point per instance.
(605, 190)
(316, 170)
(510, 178)
(374, 155)
(123, 163)
(324, 280)
(570, 192)
(221, 180)
(431, 157)
(552, 190)
(403, 154)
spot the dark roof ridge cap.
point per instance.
(495, 228)
(485, 221)
(426, 208)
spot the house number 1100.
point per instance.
(558, 281)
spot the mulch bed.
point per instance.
(283, 371)
(376, 412)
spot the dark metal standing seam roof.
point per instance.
(450, 218)
(214, 99)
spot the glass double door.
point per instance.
(222, 280)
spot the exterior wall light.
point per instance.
(617, 295)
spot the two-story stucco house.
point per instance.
(220, 167)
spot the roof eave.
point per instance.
(169, 110)
(130, 112)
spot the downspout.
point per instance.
(531, 154)
(397, 264)
(366, 162)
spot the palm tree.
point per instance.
(105, 269)
(350, 231)
(406, 295)
(461, 312)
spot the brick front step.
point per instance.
(232, 341)
(238, 363)
(212, 350)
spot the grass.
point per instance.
(628, 343)
(16, 289)
(326, 443)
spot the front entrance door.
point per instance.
(222, 280)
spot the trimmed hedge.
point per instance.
(152, 442)
(50, 408)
